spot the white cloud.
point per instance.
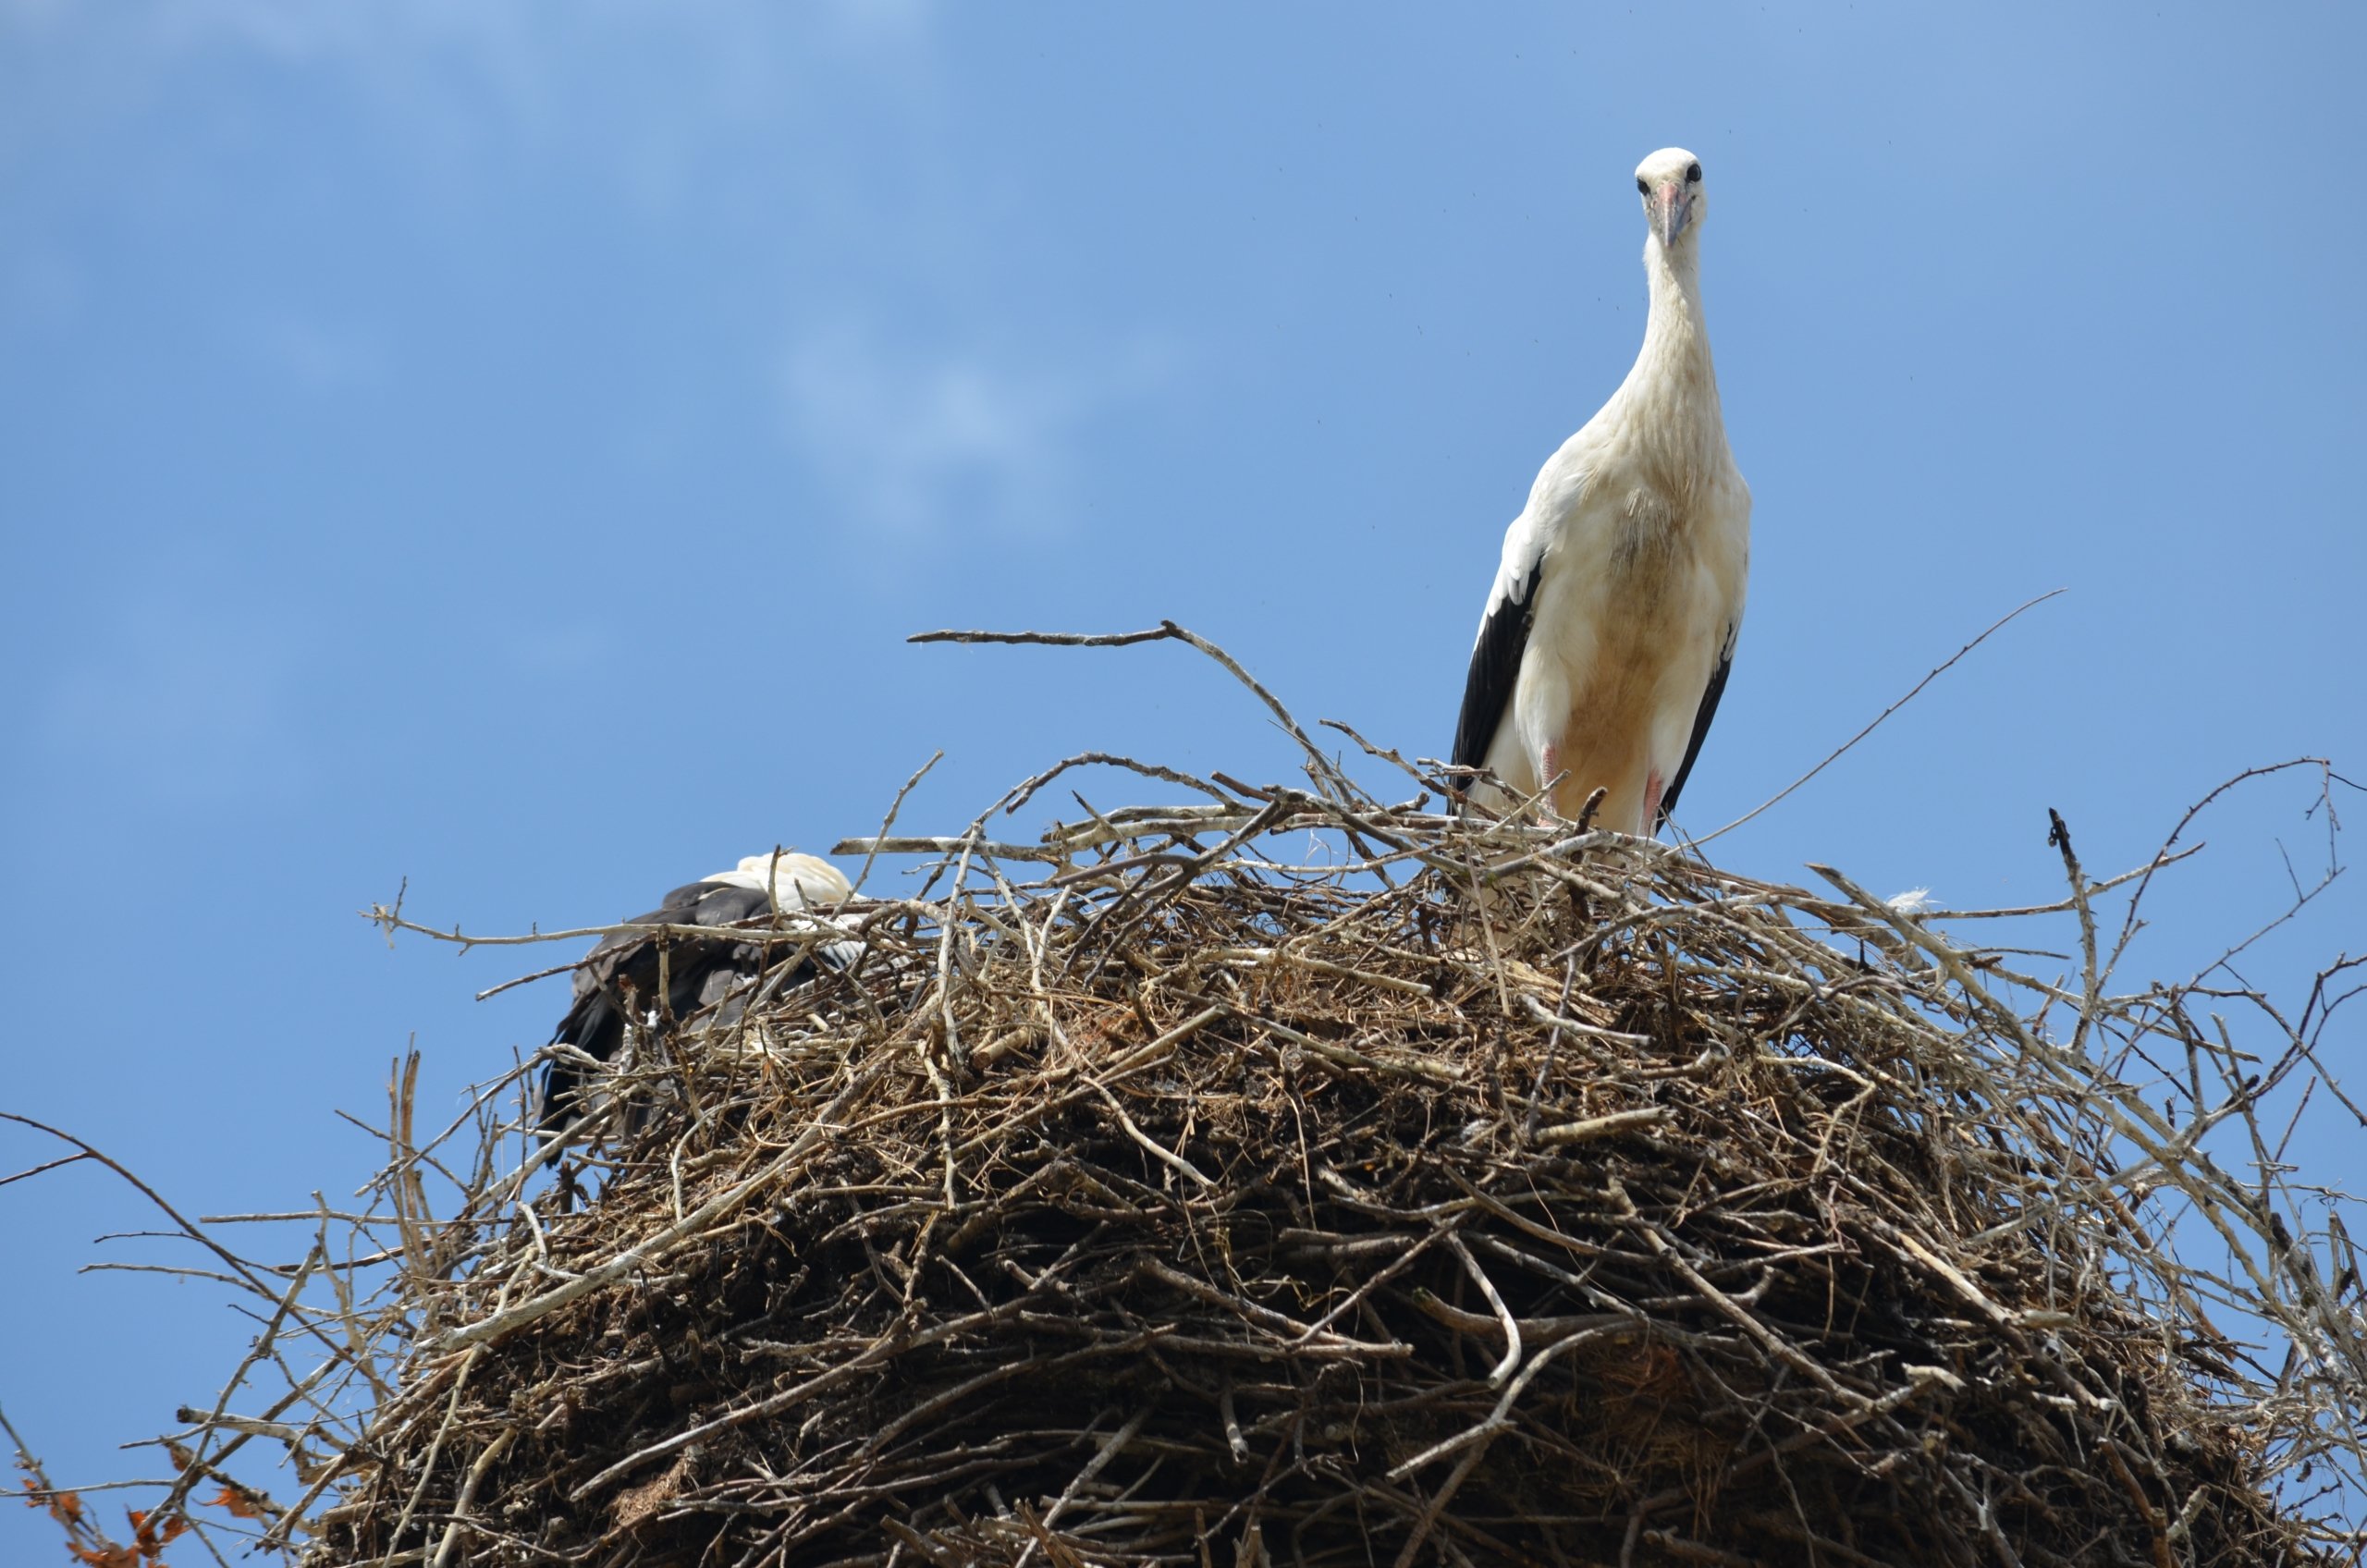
(40, 287)
(821, 131)
(555, 650)
(317, 355)
(176, 702)
(921, 443)
(649, 90)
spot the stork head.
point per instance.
(798, 881)
(1674, 204)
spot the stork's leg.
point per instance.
(1548, 768)
(1654, 789)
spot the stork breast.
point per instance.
(1642, 609)
(1644, 545)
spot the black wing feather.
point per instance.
(628, 964)
(1709, 709)
(1495, 670)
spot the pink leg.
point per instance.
(1652, 805)
(1548, 766)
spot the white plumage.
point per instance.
(1606, 642)
(795, 881)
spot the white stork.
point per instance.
(1607, 639)
(618, 984)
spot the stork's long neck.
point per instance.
(1673, 379)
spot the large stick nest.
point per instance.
(1471, 1198)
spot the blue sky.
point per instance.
(503, 447)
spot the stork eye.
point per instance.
(1693, 174)
(1642, 185)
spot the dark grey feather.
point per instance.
(620, 979)
(1708, 710)
(1495, 669)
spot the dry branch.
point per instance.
(1166, 1191)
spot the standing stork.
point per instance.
(1607, 639)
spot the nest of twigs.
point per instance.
(1466, 1196)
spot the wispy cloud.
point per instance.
(549, 651)
(178, 702)
(648, 89)
(317, 355)
(40, 287)
(922, 442)
(721, 116)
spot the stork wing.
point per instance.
(1495, 657)
(606, 954)
(630, 961)
(1709, 695)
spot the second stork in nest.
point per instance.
(641, 979)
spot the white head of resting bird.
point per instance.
(618, 984)
(1606, 642)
